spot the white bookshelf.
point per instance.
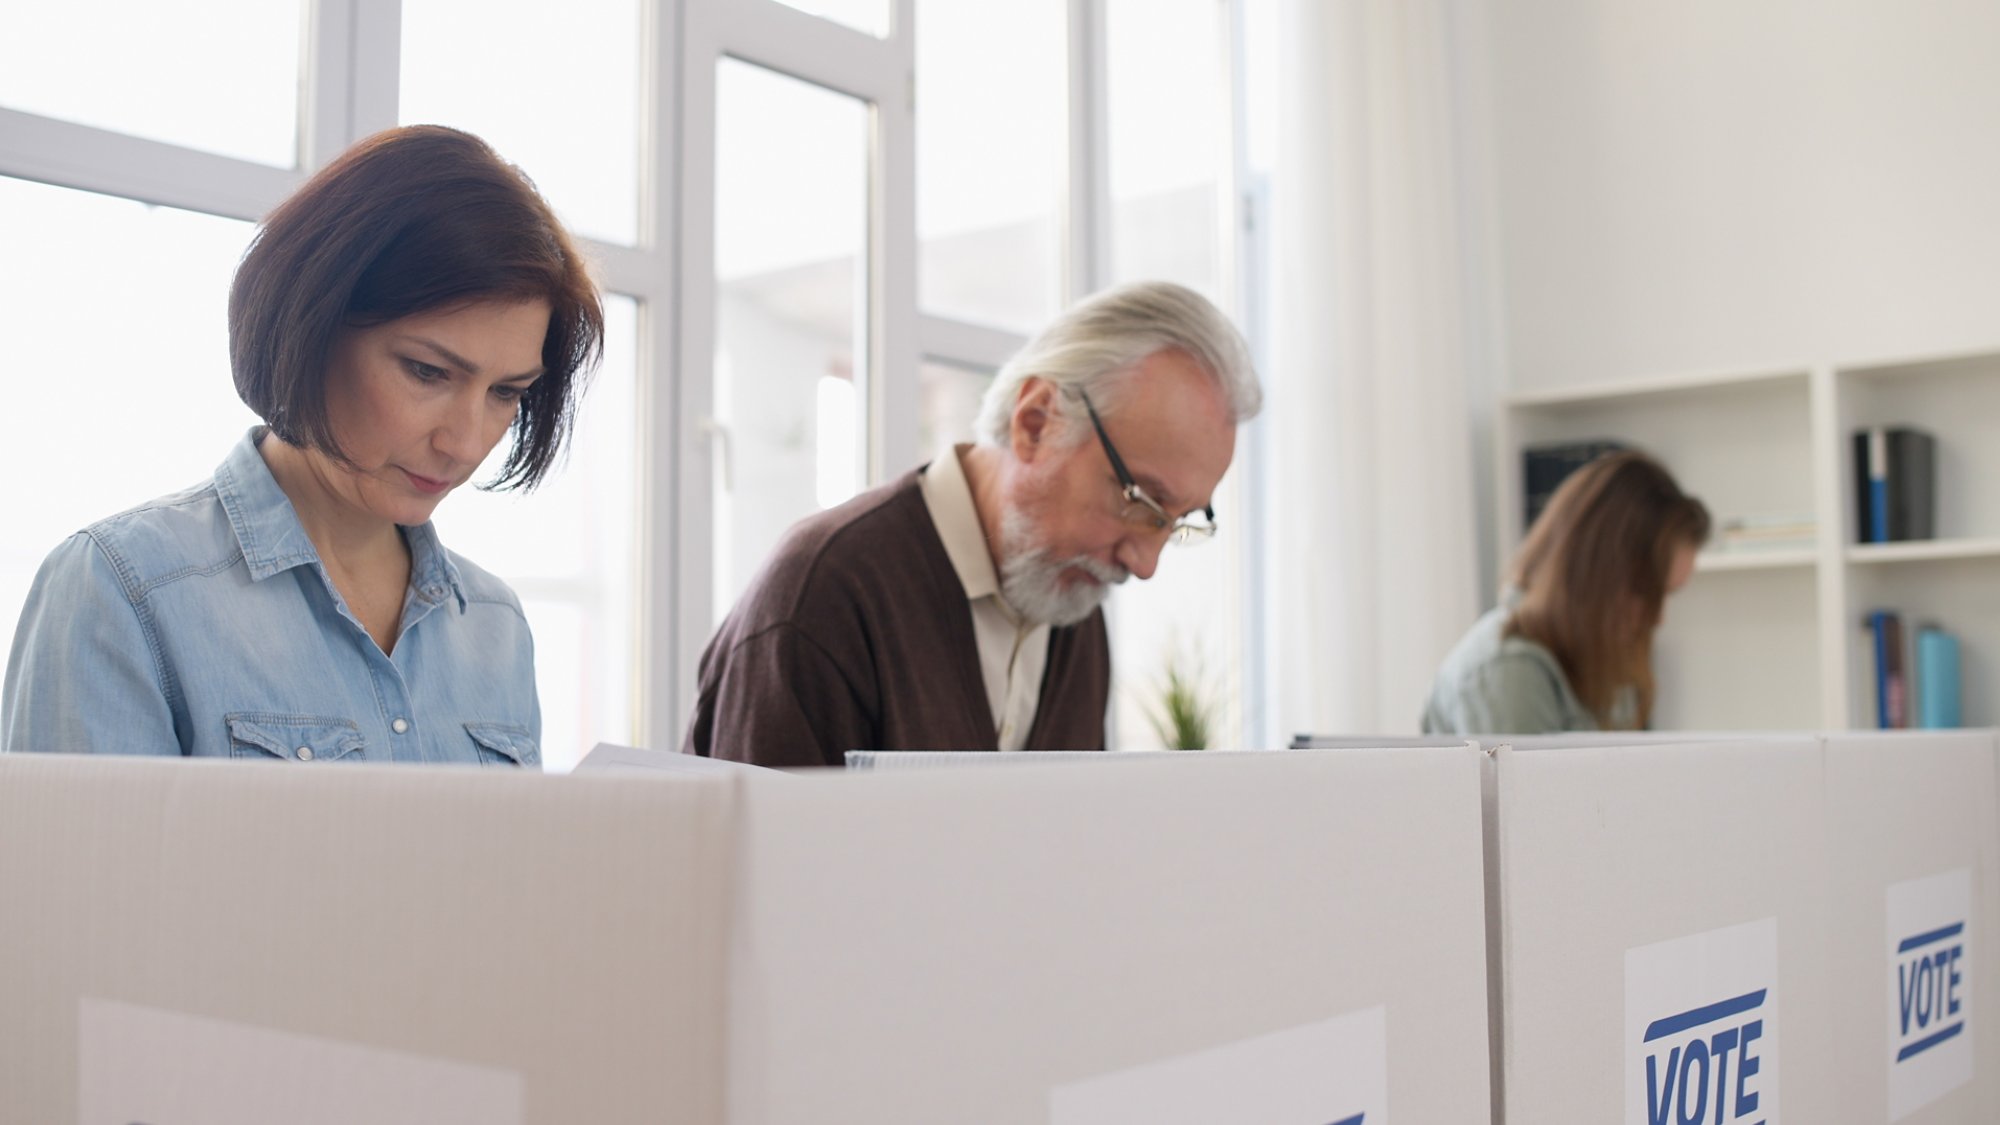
(1774, 638)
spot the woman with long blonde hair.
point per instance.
(1571, 645)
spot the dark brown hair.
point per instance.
(408, 221)
(1593, 576)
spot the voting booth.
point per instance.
(241, 944)
(1774, 928)
(1660, 927)
(1194, 938)
(1913, 845)
(1248, 937)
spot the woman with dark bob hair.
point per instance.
(414, 303)
(1571, 645)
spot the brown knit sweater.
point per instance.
(857, 635)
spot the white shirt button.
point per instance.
(400, 726)
(305, 753)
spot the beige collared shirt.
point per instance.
(1012, 652)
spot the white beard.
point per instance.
(1031, 578)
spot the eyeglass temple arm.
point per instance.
(1118, 463)
(1111, 451)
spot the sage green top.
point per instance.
(1496, 684)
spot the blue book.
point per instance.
(1891, 700)
(1937, 679)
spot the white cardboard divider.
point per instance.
(1914, 849)
(1661, 918)
(424, 945)
(1821, 907)
(1256, 937)
(1020, 945)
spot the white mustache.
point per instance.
(1106, 573)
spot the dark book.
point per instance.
(1545, 467)
(1895, 484)
(1912, 485)
(1892, 684)
(1865, 502)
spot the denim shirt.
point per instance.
(204, 624)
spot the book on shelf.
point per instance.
(1774, 532)
(1924, 692)
(1545, 466)
(1895, 484)
(1886, 628)
(1938, 680)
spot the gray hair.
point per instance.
(1098, 340)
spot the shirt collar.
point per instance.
(432, 573)
(948, 495)
(273, 540)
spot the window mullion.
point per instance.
(665, 513)
(893, 391)
(375, 67)
(697, 443)
(99, 160)
(961, 342)
(327, 110)
(1086, 223)
(812, 49)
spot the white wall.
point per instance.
(1715, 184)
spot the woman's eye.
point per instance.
(426, 372)
(508, 394)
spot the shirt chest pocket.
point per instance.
(294, 738)
(503, 744)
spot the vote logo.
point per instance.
(1701, 1028)
(1930, 989)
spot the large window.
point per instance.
(823, 225)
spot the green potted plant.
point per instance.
(1183, 711)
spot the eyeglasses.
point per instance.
(1141, 510)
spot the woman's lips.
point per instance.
(428, 485)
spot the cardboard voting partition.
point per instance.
(1284, 937)
(1913, 846)
(1661, 934)
(241, 944)
(1251, 938)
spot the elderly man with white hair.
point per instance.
(958, 607)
